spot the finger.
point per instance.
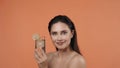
(42, 51)
(38, 53)
(38, 58)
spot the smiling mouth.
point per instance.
(60, 43)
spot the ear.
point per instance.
(72, 33)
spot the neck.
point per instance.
(64, 52)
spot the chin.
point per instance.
(60, 48)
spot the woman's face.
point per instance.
(61, 35)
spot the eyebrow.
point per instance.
(53, 32)
(60, 31)
(64, 31)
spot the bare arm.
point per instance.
(77, 62)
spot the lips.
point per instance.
(60, 43)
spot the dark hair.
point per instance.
(66, 20)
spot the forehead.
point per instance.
(59, 26)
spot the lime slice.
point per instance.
(36, 37)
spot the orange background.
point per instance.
(97, 23)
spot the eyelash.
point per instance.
(63, 33)
(54, 33)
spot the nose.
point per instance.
(59, 38)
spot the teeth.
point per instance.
(59, 43)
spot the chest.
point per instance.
(59, 63)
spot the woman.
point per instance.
(64, 37)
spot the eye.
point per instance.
(54, 33)
(64, 32)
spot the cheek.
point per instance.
(68, 39)
(53, 38)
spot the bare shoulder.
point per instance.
(77, 61)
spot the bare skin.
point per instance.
(65, 57)
(67, 60)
